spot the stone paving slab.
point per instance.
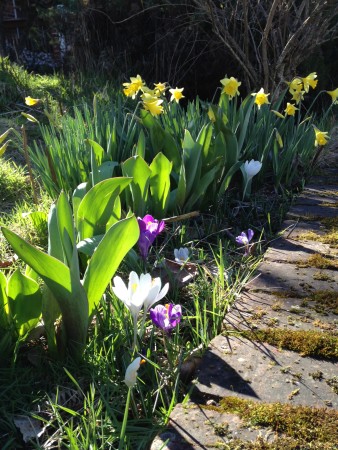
(312, 212)
(289, 250)
(259, 309)
(294, 229)
(274, 276)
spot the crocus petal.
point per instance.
(250, 234)
(131, 372)
(120, 289)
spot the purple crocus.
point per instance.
(166, 317)
(244, 239)
(149, 229)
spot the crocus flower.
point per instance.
(142, 291)
(32, 101)
(131, 372)
(252, 168)
(321, 137)
(176, 94)
(261, 98)
(149, 229)
(334, 96)
(244, 239)
(290, 109)
(166, 317)
(231, 86)
(152, 104)
(181, 255)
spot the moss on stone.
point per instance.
(305, 342)
(303, 423)
(318, 261)
(325, 301)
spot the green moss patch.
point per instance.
(306, 343)
(325, 301)
(301, 423)
(318, 261)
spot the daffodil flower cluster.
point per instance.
(299, 86)
(152, 99)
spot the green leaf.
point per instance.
(138, 169)
(171, 150)
(25, 302)
(67, 234)
(228, 176)
(199, 193)
(54, 238)
(78, 195)
(3, 302)
(96, 208)
(204, 139)
(191, 160)
(116, 243)
(160, 184)
(141, 145)
(5, 134)
(88, 246)
(97, 149)
(4, 147)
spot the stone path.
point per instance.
(280, 350)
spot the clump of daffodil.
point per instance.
(290, 109)
(152, 104)
(230, 86)
(261, 98)
(132, 88)
(295, 85)
(321, 137)
(160, 88)
(176, 94)
(297, 96)
(32, 101)
(334, 96)
(310, 81)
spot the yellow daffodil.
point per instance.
(160, 88)
(132, 88)
(310, 81)
(231, 86)
(297, 96)
(295, 85)
(261, 98)
(321, 137)
(152, 104)
(176, 94)
(290, 109)
(334, 96)
(32, 101)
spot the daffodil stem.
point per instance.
(122, 442)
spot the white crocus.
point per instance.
(142, 291)
(249, 170)
(131, 372)
(181, 255)
(252, 168)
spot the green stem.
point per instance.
(124, 423)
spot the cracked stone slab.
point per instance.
(255, 310)
(294, 229)
(234, 366)
(274, 276)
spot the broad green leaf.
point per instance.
(78, 195)
(199, 193)
(181, 192)
(231, 148)
(54, 238)
(97, 149)
(116, 243)
(3, 301)
(88, 246)
(67, 234)
(160, 184)
(204, 139)
(96, 208)
(94, 173)
(25, 302)
(141, 145)
(244, 124)
(138, 169)
(106, 170)
(171, 150)
(50, 313)
(191, 160)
